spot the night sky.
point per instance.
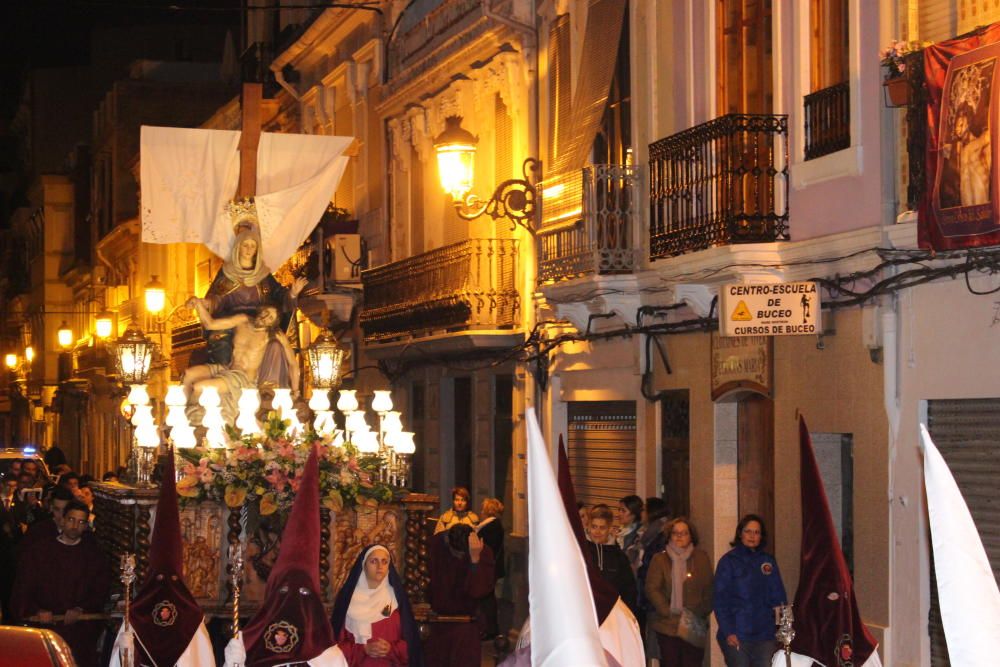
(42, 34)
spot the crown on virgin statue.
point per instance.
(242, 214)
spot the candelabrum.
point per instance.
(147, 435)
(391, 444)
(786, 633)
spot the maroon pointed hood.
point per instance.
(604, 593)
(164, 613)
(292, 625)
(828, 626)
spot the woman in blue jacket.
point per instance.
(747, 588)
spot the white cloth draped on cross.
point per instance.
(188, 176)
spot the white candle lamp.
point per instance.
(248, 404)
(147, 435)
(320, 400)
(183, 436)
(355, 422)
(392, 422)
(142, 414)
(402, 443)
(209, 398)
(366, 441)
(347, 401)
(138, 395)
(382, 401)
(176, 396)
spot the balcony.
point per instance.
(719, 183)
(828, 120)
(463, 287)
(185, 340)
(589, 220)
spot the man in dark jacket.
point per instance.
(609, 558)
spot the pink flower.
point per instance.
(277, 478)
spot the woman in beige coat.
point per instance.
(679, 578)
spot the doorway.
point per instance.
(755, 459)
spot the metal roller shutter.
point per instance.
(601, 450)
(968, 434)
(937, 20)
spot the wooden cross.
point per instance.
(251, 100)
(250, 103)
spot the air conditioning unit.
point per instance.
(344, 258)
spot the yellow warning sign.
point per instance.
(741, 313)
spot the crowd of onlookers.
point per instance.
(52, 572)
(653, 561)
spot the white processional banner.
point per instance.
(563, 621)
(189, 175)
(967, 591)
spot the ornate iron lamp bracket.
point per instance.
(514, 199)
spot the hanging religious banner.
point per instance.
(961, 206)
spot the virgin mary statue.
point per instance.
(243, 285)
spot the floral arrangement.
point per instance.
(266, 470)
(893, 56)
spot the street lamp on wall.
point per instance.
(133, 354)
(513, 199)
(64, 335)
(10, 359)
(104, 324)
(156, 296)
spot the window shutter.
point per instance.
(601, 450)
(967, 433)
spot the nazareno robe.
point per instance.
(456, 586)
(56, 577)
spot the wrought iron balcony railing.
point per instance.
(916, 130)
(828, 120)
(589, 221)
(470, 285)
(721, 182)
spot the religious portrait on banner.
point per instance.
(964, 195)
(961, 206)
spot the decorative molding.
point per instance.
(698, 297)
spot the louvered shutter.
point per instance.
(967, 432)
(601, 450)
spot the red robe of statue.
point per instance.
(388, 629)
(56, 577)
(456, 586)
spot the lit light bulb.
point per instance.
(248, 404)
(382, 401)
(138, 395)
(209, 398)
(355, 421)
(176, 416)
(147, 435)
(324, 423)
(142, 414)
(391, 422)
(183, 436)
(64, 335)
(366, 442)
(176, 395)
(402, 443)
(319, 401)
(213, 418)
(348, 400)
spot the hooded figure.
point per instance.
(166, 622)
(291, 627)
(362, 614)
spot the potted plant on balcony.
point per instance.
(897, 86)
